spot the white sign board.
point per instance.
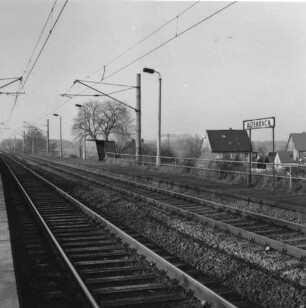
(259, 123)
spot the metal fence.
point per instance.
(292, 174)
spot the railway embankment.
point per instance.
(279, 204)
(270, 279)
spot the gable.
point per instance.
(297, 141)
(228, 141)
(285, 157)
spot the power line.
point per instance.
(41, 50)
(157, 47)
(9, 78)
(145, 38)
(39, 54)
(40, 36)
(171, 39)
(16, 79)
(107, 83)
(136, 44)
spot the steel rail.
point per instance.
(75, 274)
(201, 292)
(262, 217)
(260, 239)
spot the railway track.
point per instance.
(108, 274)
(272, 233)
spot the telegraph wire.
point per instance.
(136, 44)
(40, 36)
(9, 78)
(70, 96)
(96, 95)
(152, 50)
(41, 50)
(171, 39)
(38, 56)
(142, 40)
(107, 83)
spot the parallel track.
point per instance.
(281, 235)
(108, 274)
(93, 252)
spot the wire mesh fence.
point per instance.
(292, 174)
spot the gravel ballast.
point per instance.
(272, 281)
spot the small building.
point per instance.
(226, 144)
(104, 146)
(297, 144)
(284, 158)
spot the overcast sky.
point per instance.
(247, 62)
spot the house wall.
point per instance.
(277, 162)
(206, 148)
(291, 147)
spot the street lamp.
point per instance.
(61, 149)
(46, 131)
(84, 148)
(33, 139)
(152, 71)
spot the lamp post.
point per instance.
(46, 131)
(33, 140)
(84, 147)
(61, 142)
(152, 71)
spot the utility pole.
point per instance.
(32, 137)
(48, 142)
(137, 110)
(24, 138)
(168, 138)
(138, 117)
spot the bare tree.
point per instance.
(35, 140)
(123, 130)
(86, 120)
(100, 120)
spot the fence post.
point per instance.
(290, 184)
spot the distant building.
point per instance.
(297, 144)
(226, 144)
(284, 157)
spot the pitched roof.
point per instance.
(228, 141)
(271, 156)
(299, 141)
(286, 157)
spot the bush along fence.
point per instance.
(290, 177)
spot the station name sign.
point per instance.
(259, 123)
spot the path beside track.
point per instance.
(8, 289)
(279, 199)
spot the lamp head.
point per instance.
(148, 70)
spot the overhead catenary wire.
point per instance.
(42, 48)
(70, 96)
(171, 39)
(154, 49)
(107, 83)
(135, 45)
(39, 38)
(143, 39)
(38, 56)
(9, 78)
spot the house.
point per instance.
(226, 144)
(297, 144)
(284, 158)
